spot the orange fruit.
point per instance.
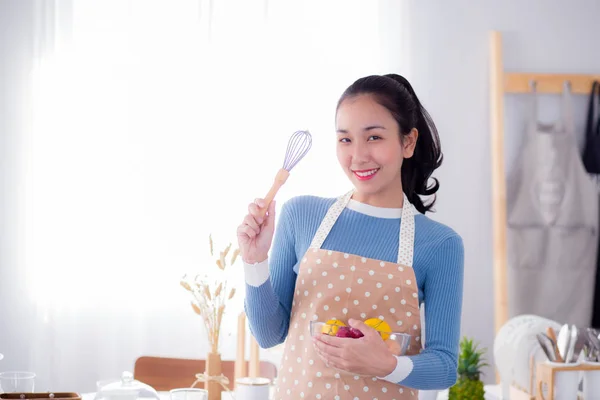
(331, 327)
(380, 326)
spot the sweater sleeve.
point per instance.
(435, 367)
(270, 286)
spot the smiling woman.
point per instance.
(371, 153)
(379, 120)
(367, 255)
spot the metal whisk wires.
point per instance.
(299, 144)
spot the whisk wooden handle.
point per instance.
(280, 179)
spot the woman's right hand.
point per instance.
(255, 234)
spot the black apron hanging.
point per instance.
(591, 151)
(591, 161)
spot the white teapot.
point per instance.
(126, 388)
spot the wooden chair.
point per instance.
(164, 374)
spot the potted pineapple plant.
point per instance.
(470, 362)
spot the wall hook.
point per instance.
(533, 85)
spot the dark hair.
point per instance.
(396, 94)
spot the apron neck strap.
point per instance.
(407, 227)
(332, 215)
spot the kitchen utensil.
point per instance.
(547, 346)
(579, 343)
(573, 335)
(552, 337)
(564, 335)
(593, 345)
(588, 352)
(299, 144)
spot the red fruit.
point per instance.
(343, 331)
(346, 332)
(356, 333)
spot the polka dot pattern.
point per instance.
(407, 235)
(350, 286)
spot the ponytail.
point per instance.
(396, 94)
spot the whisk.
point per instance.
(298, 145)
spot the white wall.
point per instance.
(449, 63)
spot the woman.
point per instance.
(368, 255)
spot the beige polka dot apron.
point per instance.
(334, 285)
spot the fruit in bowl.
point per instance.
(380, 326)
(347, 332)
(332, 327)
(397, 342)
(325, 328)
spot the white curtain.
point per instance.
(149, 125)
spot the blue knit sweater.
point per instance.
(370, 232)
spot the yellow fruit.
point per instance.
(331, 327)
(380, 326)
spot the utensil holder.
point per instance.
(591, 381)
(549, 375)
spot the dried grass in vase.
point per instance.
(209, 301)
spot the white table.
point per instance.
(492, 392)
(162, 395)
(91, 395)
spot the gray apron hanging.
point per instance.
(552, 212)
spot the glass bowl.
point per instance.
(315, 328)
(397, 342)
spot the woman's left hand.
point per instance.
(368, 355)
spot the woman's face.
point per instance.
(369, 148)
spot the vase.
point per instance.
(213, 369)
